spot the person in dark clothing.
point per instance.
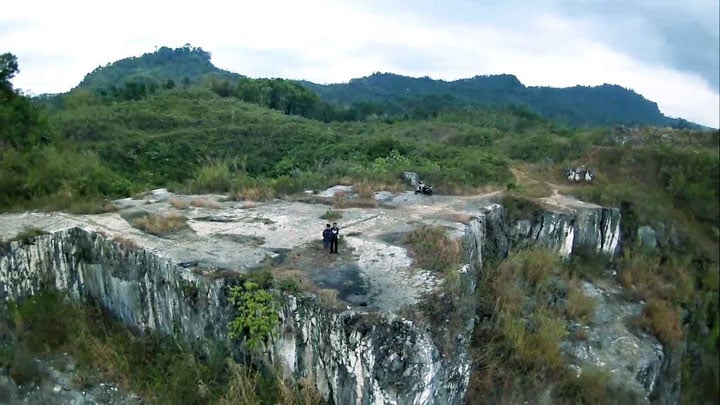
(326, 237)
(334, 235)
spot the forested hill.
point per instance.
(163, 68)
(383, 95)
(579, 105)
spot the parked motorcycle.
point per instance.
(423, 189)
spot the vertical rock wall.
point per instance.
(352, 357)
(583, 230)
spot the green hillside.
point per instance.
(265, 138)
(577, 106)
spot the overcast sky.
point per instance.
(666, 50)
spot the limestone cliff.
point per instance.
(368, 353)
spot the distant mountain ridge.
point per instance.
(578, 105)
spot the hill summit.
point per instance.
(606, 104)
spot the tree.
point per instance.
(8, 67)
(19, 119)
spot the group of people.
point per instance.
(330, 237)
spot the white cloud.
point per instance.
(57, 43)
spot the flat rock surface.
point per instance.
(373, 268)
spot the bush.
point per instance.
(331, 215)
(256, 316)
(663, 319)
(591, 387)
(159, 225)
(432, 249)
(212, 178)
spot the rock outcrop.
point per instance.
(574, 227)
(368, 353)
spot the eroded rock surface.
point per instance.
(366, 352)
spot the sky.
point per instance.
(666, 50)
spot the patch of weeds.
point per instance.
(518, 207)
(204, 203)
(190, 291)
(578, 306)
(256, 193)
(91, 206)
(179, 204)
(591, 387)
(289, 285)
(357, 203)
(330, 298)
(262, 220)
(432, 249)
(126, 243)
(160, 225)
(588, 266)
(28, 235)
(242, 239)
(24, 368)
(460, 217)
(331, 215)
(141, 195)
(663, 319)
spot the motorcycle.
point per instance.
(423, 189)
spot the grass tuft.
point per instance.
(179, 204)
(432, 249)
(160, 225)
(205, 203)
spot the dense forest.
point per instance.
(171, 119)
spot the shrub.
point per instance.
(160, 225)
(664, 321)
(535, 341)
(179, 204)
(518, 207)
(331, 215)
(579, 306)
(213, 178)
(126, 243)
(28, 235)
(205, 203)
(256, 316)
(591, 387)
(24, 367)
(433, 249)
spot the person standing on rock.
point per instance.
(327, 235)
(334, 236)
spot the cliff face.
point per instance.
(585, 229)
(353, 357)
(371, 355)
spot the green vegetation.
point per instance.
(159, 225)
(526, 305)
(256, 316)
(424, 97)
(171, 119)
(331, 215)
(432, 249)
(159, 369)
(27, 235)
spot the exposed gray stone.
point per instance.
(646, 237)
(633, 361)
(179, 284)
(412, 178)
